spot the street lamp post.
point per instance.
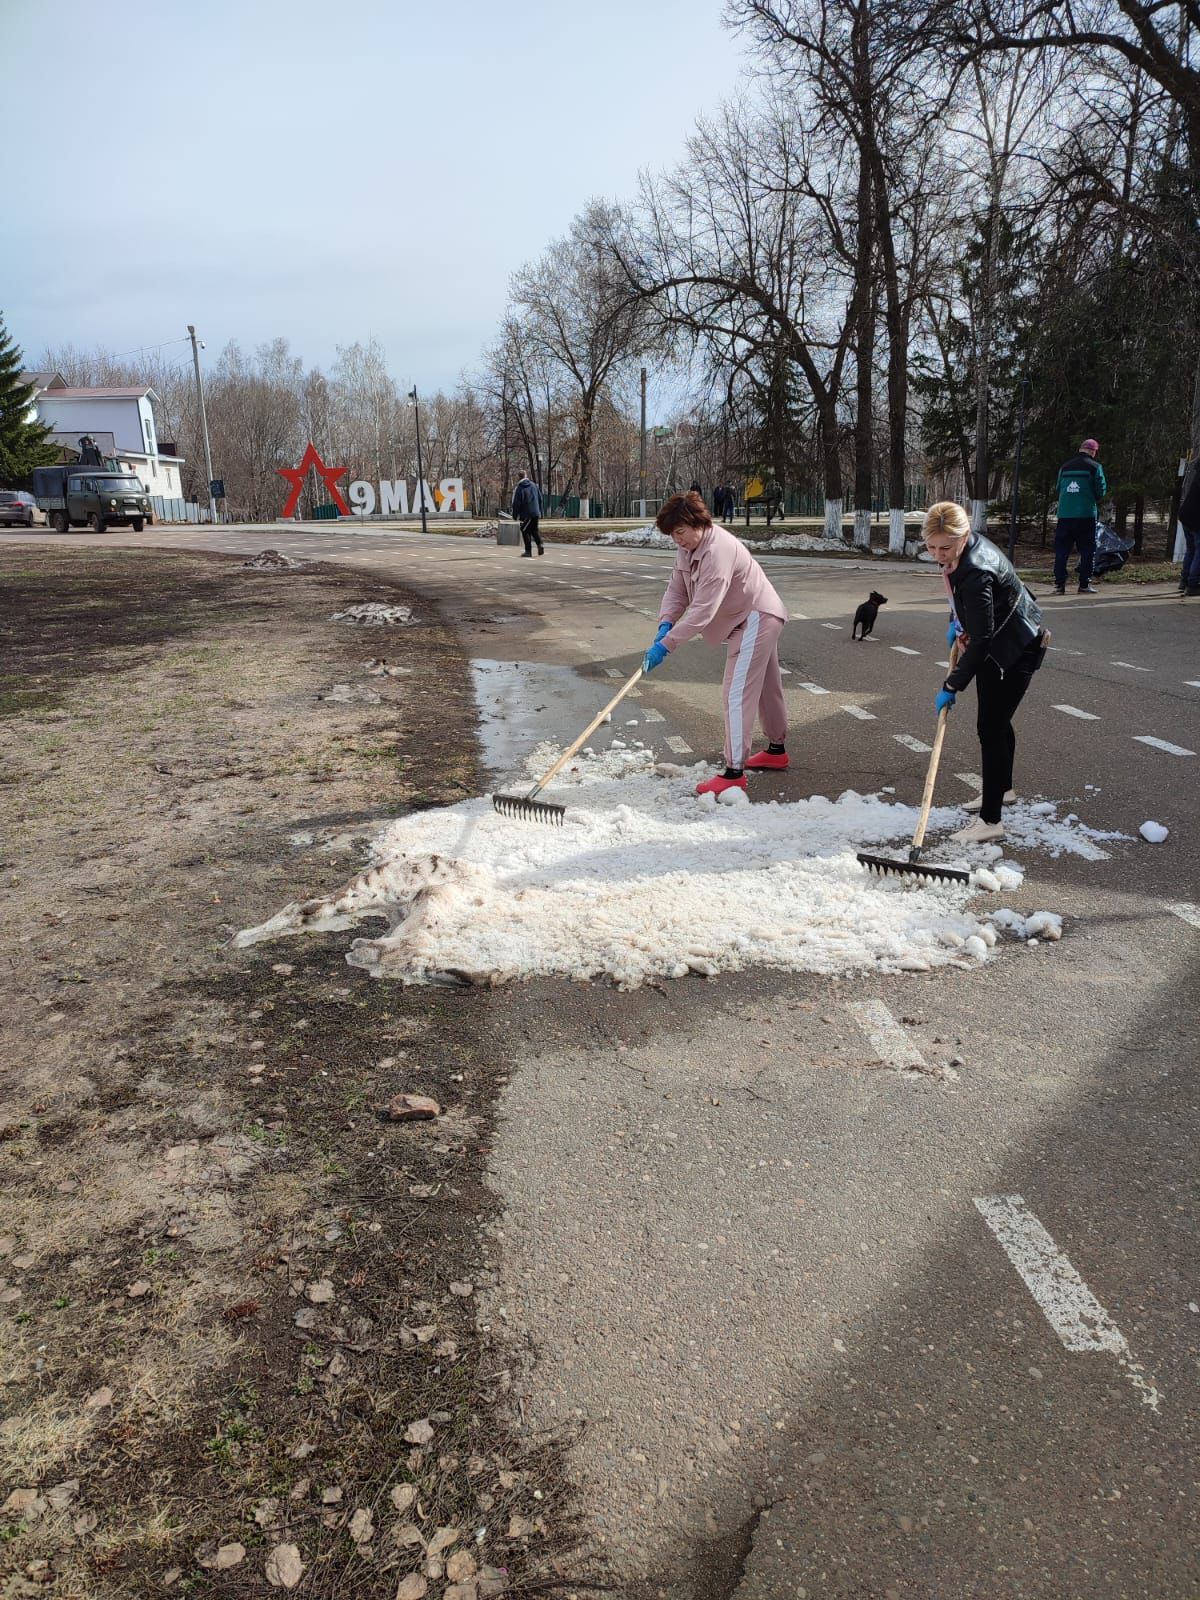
(412, 395)
(212, 500)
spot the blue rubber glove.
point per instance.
(664, 629)
(945, 700)
(655, 656)
(953, 631)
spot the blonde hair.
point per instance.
(947, 518)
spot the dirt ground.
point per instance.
(237, 1306)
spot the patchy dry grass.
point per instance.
(228, 1291)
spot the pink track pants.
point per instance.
(753, 686)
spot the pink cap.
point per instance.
(1091, 445)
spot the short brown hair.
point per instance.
(683, 511)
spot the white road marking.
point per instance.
(680, 746)
(1188, 912)
(1060, 650)
(1163, 744)
(613, 672)
(814, 688)
(857, 711)
(885, 1035)
(650, 715)
(903, 650)
(799, 616)
(1192, 683)
(909, 743)
(1067, 1303)
(971, 779)
(1074, 711)
(1131, 666)
(942, 664)
(836, 625)
(785, 672)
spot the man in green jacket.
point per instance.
(1081, 488)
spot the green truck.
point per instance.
(92, 497)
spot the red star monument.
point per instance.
(296, 476)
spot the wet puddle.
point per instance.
(522, 703)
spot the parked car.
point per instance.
(79, 496)
(17, 507)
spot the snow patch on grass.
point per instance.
(371, 614)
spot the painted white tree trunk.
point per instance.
(833, 520)
(979, 511)
(862, 529)
(585, 508)
(896, 531)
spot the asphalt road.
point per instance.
(820, 1345)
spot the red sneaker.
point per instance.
(764, 761)
(718, 785)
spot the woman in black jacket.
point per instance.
(1002, 644)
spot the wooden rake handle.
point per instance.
(935, 756)
(586, 734)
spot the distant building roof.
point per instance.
(44, 380)
(133, 392)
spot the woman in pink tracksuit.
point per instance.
(719, 591)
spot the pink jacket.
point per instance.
(714, 588)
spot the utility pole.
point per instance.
(412, 395)
(642, 456)
(212, 503)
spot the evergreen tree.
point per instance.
(23, 439)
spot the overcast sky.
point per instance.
(324, 170)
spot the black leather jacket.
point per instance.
(997, 612)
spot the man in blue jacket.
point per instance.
(1081, 488)
(527, 509)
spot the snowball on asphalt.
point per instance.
(1153, 832)
(645, 879)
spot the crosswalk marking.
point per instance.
(909, 743)
(903, 650)
(857, 711)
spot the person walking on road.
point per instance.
(1189, 523)
(527, 510)
(719, 591)
(1002, 644)
(1081, 488)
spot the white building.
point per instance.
(124, 415)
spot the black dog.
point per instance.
(864, 617)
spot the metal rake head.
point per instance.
(526, 810)
(919, 869)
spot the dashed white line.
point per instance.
(903, 650)
(836, 625)
(1163, 744)
(1067, 1303)
(650, 715)
(909, 743)
(1184, 910)
(857, 711)
(885, 1035)
(1192, 683)
(799, 616)
(680, 746)
(1074, 711)
(945, 664)
(1131, 665)
(814, 688)
(613, 672)
(971, 779)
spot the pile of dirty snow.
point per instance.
(273, 561)
(647, 880)
(647, 538)
(373, 615)
(1037, 826)
(800, 541)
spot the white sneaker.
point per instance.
(979, 832)
(973, 805)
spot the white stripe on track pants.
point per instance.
(753, 686)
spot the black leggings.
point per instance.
(1000, 693)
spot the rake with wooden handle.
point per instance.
(526, 806)
(914, 866)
